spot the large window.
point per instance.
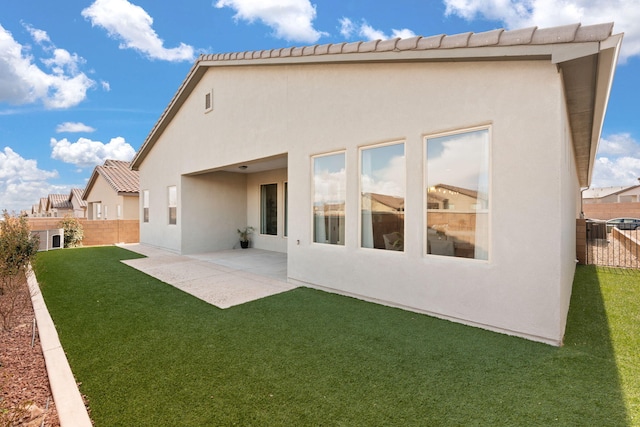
(269, 209)
(329, 194)
(145, 205)
(382, 193)
(173, 204)
(457, 191)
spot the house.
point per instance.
(112, 192)
(79, 205)
(611, 202)
(628, 194)
(280, 139)
(58, 205)
(42, 207)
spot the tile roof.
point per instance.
(77, 193)
(587, 55)
(59, 201)
(119, 175)
(574, 33)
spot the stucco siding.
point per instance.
(304, 110)
(213, 208)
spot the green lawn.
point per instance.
(147, 354)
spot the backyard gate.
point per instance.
(609, 246)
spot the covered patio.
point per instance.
(221, 278)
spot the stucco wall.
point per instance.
(215, 207)
(103, 193)
(304, 110)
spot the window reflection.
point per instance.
(329, 182)
(457, 192)
(382, 192)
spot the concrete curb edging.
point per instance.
(67, 397)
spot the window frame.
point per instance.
(263, 225)
(169, 205)
(458, 131)
(145, 206)
(360, 192)
(313, 189)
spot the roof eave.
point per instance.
(607, 62)
(92, 181)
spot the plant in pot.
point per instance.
(244, 236)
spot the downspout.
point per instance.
(582, 190)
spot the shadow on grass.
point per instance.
(148, 354)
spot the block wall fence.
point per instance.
(96, 233)
(611, 210)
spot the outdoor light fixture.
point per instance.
(243, 167)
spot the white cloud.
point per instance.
(617, 162)
(86, 153)
(346, 27)
(370, 33)
(133, 26)
(366, 31)
(388, 180)
(549, 13)
(22, 82)
(105, 86)
(22, 184)
(290, 19)
(73, 127)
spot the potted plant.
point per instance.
(244, 236)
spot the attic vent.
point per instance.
(208, 101)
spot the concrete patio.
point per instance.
(223, 278)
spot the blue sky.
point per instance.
(83, 81)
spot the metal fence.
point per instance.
(611, 247)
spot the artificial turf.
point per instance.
(147, 354)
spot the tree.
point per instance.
(18, 249)
(73, 231)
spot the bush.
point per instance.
(18, 249)
(73, 232)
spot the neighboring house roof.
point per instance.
(454, 189)
(118, 175)
(395, 203)
(77, 193)
(598, 193)
(586, 55)
(43, 204)
(59, 201)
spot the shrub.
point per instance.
(18, 249)
(73, 232)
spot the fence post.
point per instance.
(581, 240)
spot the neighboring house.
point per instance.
(58, 205)
(35, 211)
(42, 207)
(611, 202)
(279, 139)
(112, 192)
(627, 194)
(79, 205)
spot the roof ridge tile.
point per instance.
(455, 41)
(563, 34)
(517, 37)
(487, 38)
(431, 42)
(408, 44)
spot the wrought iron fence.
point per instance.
(612, 247)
